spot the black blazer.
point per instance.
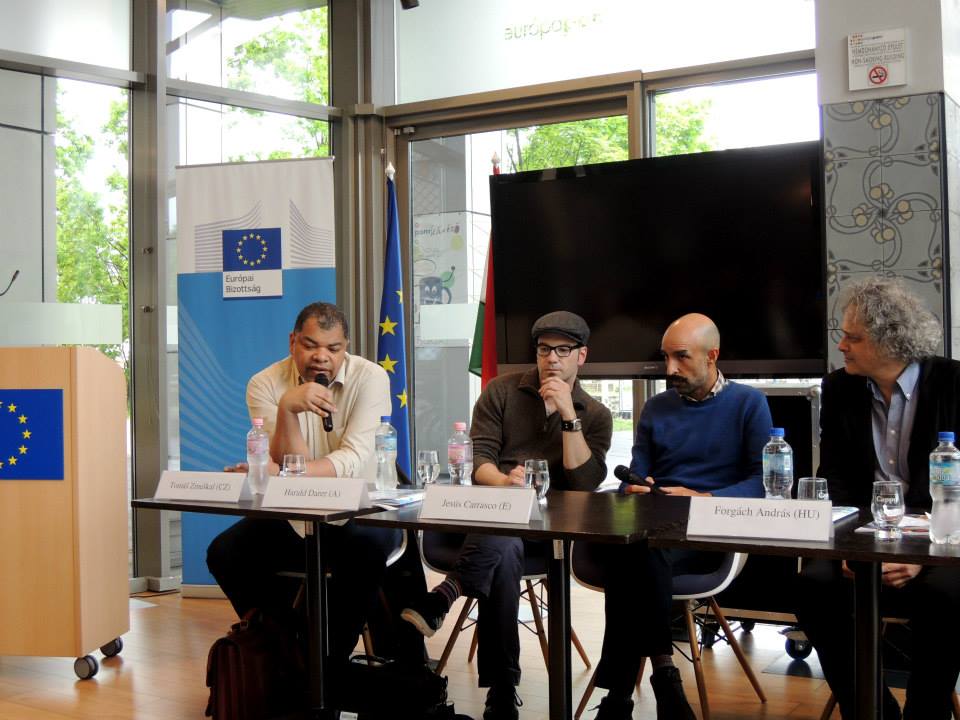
(847, 455)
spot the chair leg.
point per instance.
(737, 650)
(576, 643)
(454, 635)
(473, 644)
(538, 621)
(586, 696)
(832, 703)
(697, 663)
(367, 641)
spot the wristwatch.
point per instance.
(571, 425)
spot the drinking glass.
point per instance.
(812, 488)
(888, 509)
(293, 465)
(428, 467)
(536, 474)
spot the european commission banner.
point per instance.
(255, 243)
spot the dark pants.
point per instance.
(930, 602)
(246, 557)
(638, 596)
(490, 569)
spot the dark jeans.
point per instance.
(638, 595)
(490, 569)
(930, 602)
(246, 557)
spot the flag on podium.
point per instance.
(392, 344)
(483, 355)
(31, 434)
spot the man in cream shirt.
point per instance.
(246, 557)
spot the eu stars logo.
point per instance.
(252, 263)
(31, 434)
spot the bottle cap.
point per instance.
(385, 418)
(945, 436)
(776, 432)
(258, 422)
(459, 426)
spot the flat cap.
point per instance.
(562, 322)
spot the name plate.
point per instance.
(760, 518)
(207, 486)
(480, 503)
(316, 493)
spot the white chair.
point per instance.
(694, 591)
(439, 552)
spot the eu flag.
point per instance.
(252, 249)
(31, 434)
(392, 345)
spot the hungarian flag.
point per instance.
(483, 356)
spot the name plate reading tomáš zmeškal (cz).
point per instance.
(205, 486)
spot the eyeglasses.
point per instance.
(561, 350)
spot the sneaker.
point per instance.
(615, 707)
(427, 614)
(668, 689)
(502, 703)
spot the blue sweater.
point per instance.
(713, 446)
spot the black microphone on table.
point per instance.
(624, 474)
(16, 274)
(328, 418)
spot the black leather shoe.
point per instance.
(427, 614)
(671, 701)
(615, 707)
(502, 703)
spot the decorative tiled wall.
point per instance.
(951, 136)
(884, 198)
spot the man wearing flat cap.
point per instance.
(540, 413)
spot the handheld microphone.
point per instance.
(624, 474)
(328, 418)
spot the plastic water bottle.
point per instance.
(386, 448)
(777, 466)
(945, 491)
(460, 455)
(258, 457)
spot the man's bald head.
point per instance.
(690, 348)
(695, 329)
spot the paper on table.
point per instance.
(390, 499)
(842, 511)
(910, 525)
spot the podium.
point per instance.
(64, 587)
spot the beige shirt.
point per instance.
(361, 392)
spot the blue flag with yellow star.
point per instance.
(392, 345)
(31, 434)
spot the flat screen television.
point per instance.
(633, 245)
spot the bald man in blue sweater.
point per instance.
(704, 436)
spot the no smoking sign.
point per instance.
(878, 75)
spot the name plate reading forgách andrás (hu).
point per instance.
(480, 503)
(316, 493)
(760, 518)
(205, 486)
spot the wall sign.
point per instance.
(877, 58)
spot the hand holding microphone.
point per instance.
(624, 474)
(328, 418)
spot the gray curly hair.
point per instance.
(895, 319)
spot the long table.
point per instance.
(316, 567)
(606, 518)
